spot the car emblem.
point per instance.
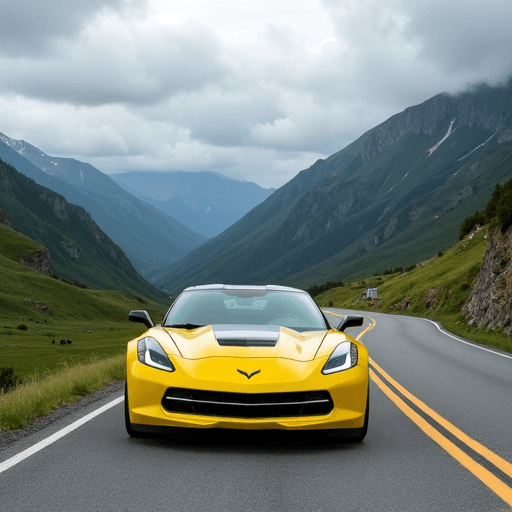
(249, 375)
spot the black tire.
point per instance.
(128, 424)
(358, 434)
(353, 435)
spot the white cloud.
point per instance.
(255, 89)
(31, 27)
(113, 61)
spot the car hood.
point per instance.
(247, 342)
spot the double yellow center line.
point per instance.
(494, 483)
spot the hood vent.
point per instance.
(246, 335)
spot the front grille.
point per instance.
(247, 405)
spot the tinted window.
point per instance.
(246, 307)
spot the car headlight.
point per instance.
(343, 357)
(151, 353)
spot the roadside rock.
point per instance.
(402, 305)
(431, 298)
(490, 302)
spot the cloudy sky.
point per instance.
(255, 89)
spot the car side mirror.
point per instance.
(141, 316)
(350, 321)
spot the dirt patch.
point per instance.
(39, 306)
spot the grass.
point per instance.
(15, 245)
(96, 321)
(435, 290)
(50, 310)
(40, 394)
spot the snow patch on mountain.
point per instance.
(478, 147)
(17, 145)
(432, 149)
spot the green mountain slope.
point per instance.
(80, 250)
(398, 193)
(149, 237)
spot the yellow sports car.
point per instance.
(246, 357)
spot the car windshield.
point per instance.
(291, 309)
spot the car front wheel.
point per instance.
(127, 422)
(353, 435)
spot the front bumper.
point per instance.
(147, 386)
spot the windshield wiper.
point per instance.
(184, 326)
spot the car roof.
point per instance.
(269, 287)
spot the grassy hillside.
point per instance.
(15, 245)
(96, 321)
(435, 290)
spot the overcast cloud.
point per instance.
(257, 90)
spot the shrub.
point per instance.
(22, 327)
(396, 270)
(8, 380)
(317, 289)
(497, 211)
(478, 218)
(504, 209)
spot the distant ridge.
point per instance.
(149, 237)
(206, 202)
(395, 195)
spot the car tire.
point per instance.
(358, 434)
(353, 435)
(128, 424)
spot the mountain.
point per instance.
(206, 202)
(149, 237)
(80, 251)
(397, 194)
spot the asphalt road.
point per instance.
(446, 452)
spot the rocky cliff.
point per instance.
(40, 261)
(490, 302)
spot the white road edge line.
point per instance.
(451, 336)
(55, 437)
(467, 342)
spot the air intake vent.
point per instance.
(246, 335)
(247, 405)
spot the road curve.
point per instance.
(419, 375)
